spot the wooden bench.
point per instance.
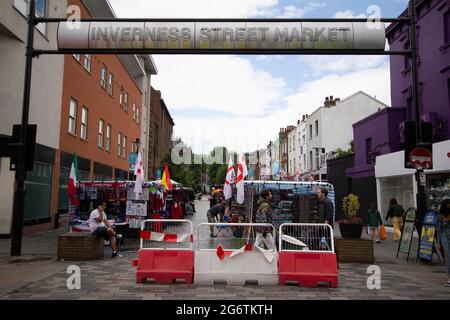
(355, 251)
(80, 246)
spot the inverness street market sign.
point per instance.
(222, 35)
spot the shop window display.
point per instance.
(438, 189)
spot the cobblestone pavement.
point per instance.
(40, 276)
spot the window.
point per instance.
(310, 159)
(41, 10)
(304, 139)
(137, 114)
(317, 127)
(446, 19)
(103, 80)
(119, 144)
(310, 132)
(126, 101)
(108, 138)
(122, 94)
(101, 128)
(77, 57)
(73, 116)
(317, 159)
(84, 122)
(134, 111)
(369, 159)
(124, 147)
(87, 62)
(111, 84)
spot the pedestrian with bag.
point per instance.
(374, 222)
(396, 212)
(443, 235)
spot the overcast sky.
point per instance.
(241, 102)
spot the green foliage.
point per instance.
(350, 205)
(342, 153)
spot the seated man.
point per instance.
(101, 227)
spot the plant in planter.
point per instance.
(352, 225)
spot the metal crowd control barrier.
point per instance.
(166, 253)
(312, 237)
(167, 234)
(236, 254)
(307, 255)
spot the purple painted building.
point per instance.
(380, 133)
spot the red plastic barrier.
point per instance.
(165, 266)
(308, 268)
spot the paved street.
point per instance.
(37, 275)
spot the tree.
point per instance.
(221, 174)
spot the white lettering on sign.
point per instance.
(223, 35)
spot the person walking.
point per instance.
(396, 212)
(443, 234)
(325, 207)
(374, 222)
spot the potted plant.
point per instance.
(352, 225)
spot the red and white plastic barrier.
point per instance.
(165, 237)
(307, 255)
(236, 260)
(172, 259)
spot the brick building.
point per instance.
(160, 133)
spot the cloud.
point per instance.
(292, 12)
(348, 14)
(248, 133)
(373, 81)
(340, 64)
(224, 83)
(275, 57)
(194, 8)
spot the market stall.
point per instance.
(292, 201)
(124, 208)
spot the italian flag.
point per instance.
(72, 188)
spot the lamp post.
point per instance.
(21, 171)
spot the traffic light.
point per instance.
(30, 147)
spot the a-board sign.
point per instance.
(428, 236)
(408, 231)
(203, 35)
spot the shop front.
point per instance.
(394, 181)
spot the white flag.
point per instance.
(242, 173)
(229, 179)
(139, 172)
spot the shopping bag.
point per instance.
(382, 233)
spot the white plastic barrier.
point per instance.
(237, 254)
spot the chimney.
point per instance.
(330, 102)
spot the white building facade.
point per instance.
(45, 101)
(330, 128)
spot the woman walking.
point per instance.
(396, 212)
(443, 234)
(374, 221)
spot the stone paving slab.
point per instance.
(115, 278)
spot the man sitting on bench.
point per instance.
(101, 227)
